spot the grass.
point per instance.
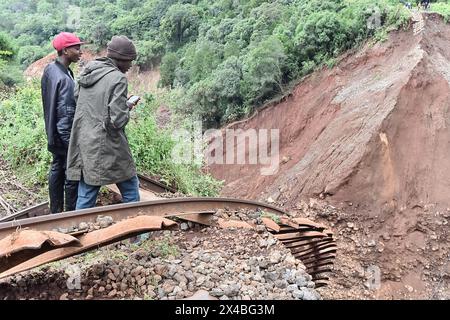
(272, 216)
(163, 248)
(443, 8)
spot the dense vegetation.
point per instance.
(228, 56)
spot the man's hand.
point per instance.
(133, 101)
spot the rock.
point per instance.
(180, 278)
(83, 226)
(101, 289)
(112, 293)
(64, 296)
(111, 276)
(97, 269)
(371, 243)
(208, 284)
(123, 286)
(200, 295)
(281, 284)
(168, 287)
(272, 276)
(104, 221)
(161, 270)
(301, 281)
(200, 280)
(290, 259)
(263, 264)
(176, 290)
(172, 271)
(217, 292)
(141, 282)
(262, 243)
(309, 294)
(257, 277)
(260, 228)
(232, 289)
(291, 288)
(184, 226)
(186, 263)
(297, 294)
(189, 275)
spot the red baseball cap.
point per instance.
(64, 40)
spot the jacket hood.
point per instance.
(96, 70)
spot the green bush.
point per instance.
(168, 67)
(23, 142)
(10, 75)
(149, 54)
(29, 54)
(152, 149)
(443, 8)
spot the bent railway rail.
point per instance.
(145, 183)
(43, 242)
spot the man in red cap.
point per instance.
(59, 104)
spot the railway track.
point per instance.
(31, 237)
(146, 184)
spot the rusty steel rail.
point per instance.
(167, 207)
(145, 183)
(308, 241)
(37, 210)
(150, 184)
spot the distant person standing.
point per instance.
(99, 153)
(57, 86)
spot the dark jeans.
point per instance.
(59, 187)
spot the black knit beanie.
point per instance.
(121, 48)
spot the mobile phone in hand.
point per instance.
(134, 99)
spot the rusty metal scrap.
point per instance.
(163, 208)
(310, 242)
(95, 239)
(23, 245)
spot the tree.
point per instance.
(9, 71)
(169, 64)
(262, 70)
(29, 54)
(180, 24)
(201, 58)
(149, 53)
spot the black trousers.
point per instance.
(59, 188)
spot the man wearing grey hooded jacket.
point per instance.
(99, 153)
